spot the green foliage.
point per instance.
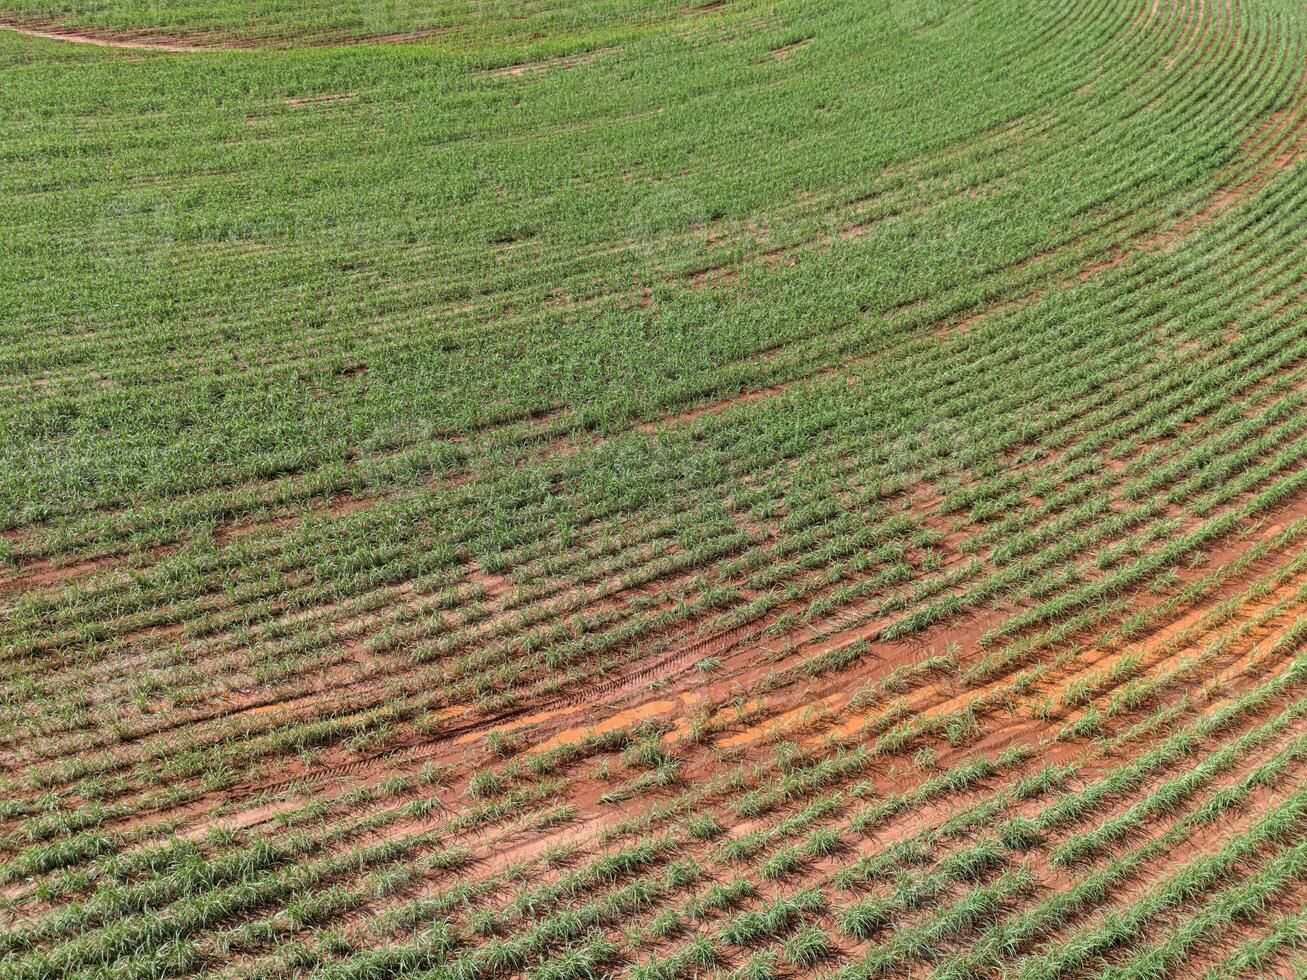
(377, 416)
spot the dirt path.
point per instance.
(86, 37)
(171, 44)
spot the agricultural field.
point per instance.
(627, 488)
